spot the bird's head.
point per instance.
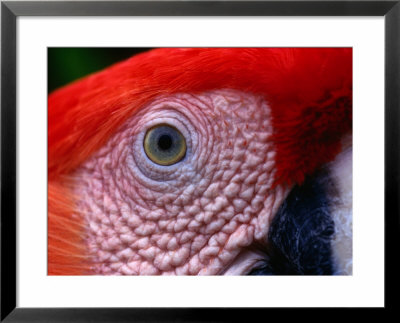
(179, 161)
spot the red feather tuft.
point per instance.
(66, 249)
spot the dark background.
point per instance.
(68, 64)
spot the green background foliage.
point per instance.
(68, 64)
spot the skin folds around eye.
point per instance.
(193, 217)
(198, 168)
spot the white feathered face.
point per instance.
(186, 187)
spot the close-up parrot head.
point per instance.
(204, 161)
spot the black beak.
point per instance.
(303, 230)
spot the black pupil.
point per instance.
(165, 142)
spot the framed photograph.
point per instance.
(184, 160)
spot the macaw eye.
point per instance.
(164, 145)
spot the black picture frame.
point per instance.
(10, 10)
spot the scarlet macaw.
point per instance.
(203, 161)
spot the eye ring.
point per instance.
(164, 145)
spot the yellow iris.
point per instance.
(164, 145)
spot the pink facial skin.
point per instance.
(200, 216)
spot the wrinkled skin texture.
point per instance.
(196, 216)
